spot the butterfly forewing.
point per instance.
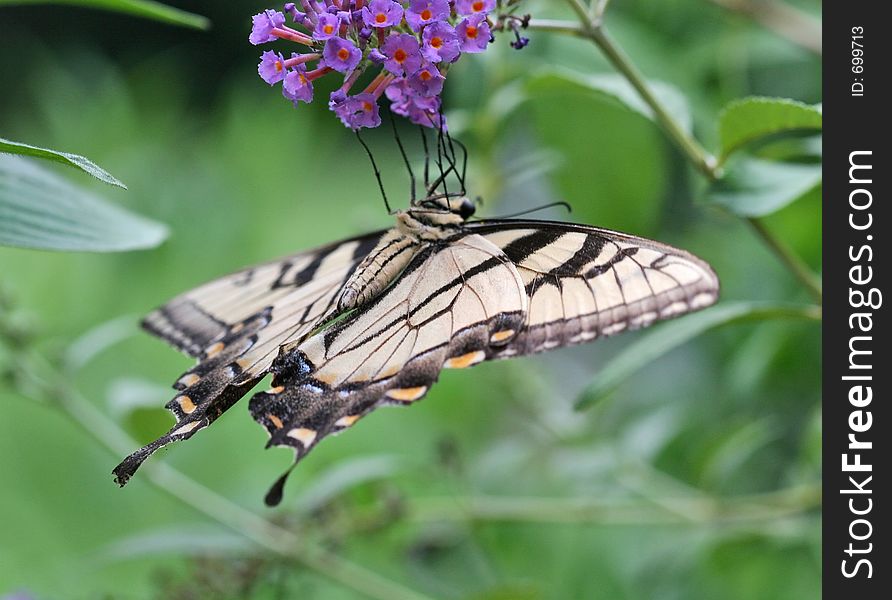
(584, 283)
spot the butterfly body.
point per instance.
(373, 320)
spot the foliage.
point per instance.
(693, 469)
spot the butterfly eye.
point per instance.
(466, 209)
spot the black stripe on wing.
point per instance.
(586, 282)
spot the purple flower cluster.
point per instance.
(413, 43)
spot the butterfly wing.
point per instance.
(234, 327)
(584, 283)
(502, 288)
(451, 304)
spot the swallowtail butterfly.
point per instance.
(373, 320)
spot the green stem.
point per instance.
(789, 259)
(259, 530)
(692, 510)
(699, 157)
(783, 19)
(594, 30)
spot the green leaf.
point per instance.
(614, 88)
(39, 209)
(749, 119)
(139, 8)
(66, 158)
(665, 338)
(752, 187)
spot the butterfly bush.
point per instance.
(411, 44)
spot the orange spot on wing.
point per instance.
(186, 404)
(465, 360)
(346, 421)
(406, 394)
(303, 435)
(275, 420)
(501, 336)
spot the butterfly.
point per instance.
(372, 320)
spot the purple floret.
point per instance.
(424, 12)
(327, 27)
(426, 81)
(358, 111)
(418, 109)
(341, 55)
(403, 54)
(271, 68)
(474, 7)
(297, 87)
(382, 13)
(473, 34)
(263, 24)
(440, 43)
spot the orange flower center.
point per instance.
(400, 55)
(303, 80)
(436, 42)
(380, 18)
(471, 32)
(328, 29)
(343, 54)
(425, 75)
(426, 14)
(279, 66)
(367, 106)
(477, 6)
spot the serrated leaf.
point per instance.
(615, 88)
(752, 187)
(66, 158)
(744, 121)
(138, 8)
(39, 209)
(669, 336)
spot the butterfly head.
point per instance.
(443, 211)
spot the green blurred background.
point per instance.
(694, 479)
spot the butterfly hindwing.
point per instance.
(235, 325)
(453, 305)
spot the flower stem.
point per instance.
(790, 259)
(591, 27)
(697, 155)
(705, 510)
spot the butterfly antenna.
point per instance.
(543, 207)
(464, 161)
(427, 157)
(399, 143)
(377, 172)
(441, 180)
